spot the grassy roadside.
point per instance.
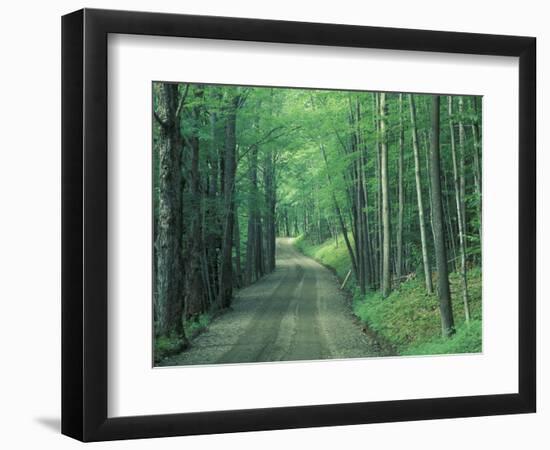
(168, 346)
(409, 318)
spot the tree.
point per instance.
(399, 239)
(386, 275)
(254, 242)
(226, 266)
(270, 205)
(444, 292)
(418, 179)
(458, 180)
(193, 273)
(168, 243)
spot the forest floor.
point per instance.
(295, 313)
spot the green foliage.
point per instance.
(166, 346)
(336, 258)
(170, 345)
(197, 325)
(467, 339)
(409, 317)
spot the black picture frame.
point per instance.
(84, 224)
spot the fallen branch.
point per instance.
(345, 280)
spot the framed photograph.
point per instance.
(273, 224)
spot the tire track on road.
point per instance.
(257, 343)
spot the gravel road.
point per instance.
(295, 313)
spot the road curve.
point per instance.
(295, 313)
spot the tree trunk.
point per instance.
(378, 221)
(237, 238)
(270, 203)
(214, 235)
(363, 198)
(444, 292)
(386, 275)
(287, 226)
(226, 272)
(194, 288)
(460, 205)
(369, 276)
(421, 219)
(477, 180)
(448, 221)
(253, 239)
(477, 165)
(399, 244)
(169, 301)
(358, 199)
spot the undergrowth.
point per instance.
(170, 345)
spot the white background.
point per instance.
(135, 389)
(30, 196)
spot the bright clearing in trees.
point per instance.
(307, 224)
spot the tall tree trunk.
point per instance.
(194, 288)
(286, 222)
(449, 223)
(253, 239)
(378, 221)
(270, 204)
(237, 239)
(169, 299)
(212, 238)
(259, 250)
(427, 144)
(421, 219)
(368, 237)
(477, 165)
(226, 272)
(358, 199)
(369, 277)
(399, 243)
(477, 181)
(444, 292)
(363, 198)
(460, 204)
(386, 275)
(461, 167)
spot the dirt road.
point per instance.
(295, 313)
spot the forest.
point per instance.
(384, 188)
